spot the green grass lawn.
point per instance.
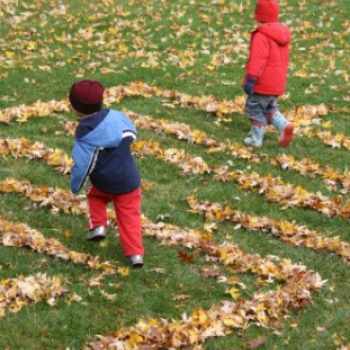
(198, 48)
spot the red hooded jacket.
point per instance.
(268, 58)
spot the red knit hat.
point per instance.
(267, 11)
(86, 96)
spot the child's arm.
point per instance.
(249, 84)
(259, 53)
(83, 156)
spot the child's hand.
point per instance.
(249, 85)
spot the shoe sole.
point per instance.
(137, 263)
(138, 266)
(287, 136)
(96, 238)
(252, 144)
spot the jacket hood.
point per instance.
(277, 31)
(110, 131)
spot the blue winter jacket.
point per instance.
(102, 152)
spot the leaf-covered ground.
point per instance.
(245, 248)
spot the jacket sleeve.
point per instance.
(83, 155)
(259, 54)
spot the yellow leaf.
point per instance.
(31, 45)
(124, 271)
(67, 234)
(234, 292)
(327, 125)
(229, 322)
(103, 244)
(135, 339)
(10, 54)
(232, 280)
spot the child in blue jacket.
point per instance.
(102, 152)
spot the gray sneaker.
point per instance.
(249, 141)
(135, 260)
(255, 137)
(97, 233)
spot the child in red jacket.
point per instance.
(266, 75)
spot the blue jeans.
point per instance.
(261, 108)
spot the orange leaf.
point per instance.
(185, 257)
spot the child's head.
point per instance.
(86, 96)
(266, 11)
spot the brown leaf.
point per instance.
(158, 270)
(180, 297)
(255, 343)
(185, 257)
(209, 272)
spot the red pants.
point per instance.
(128, 213)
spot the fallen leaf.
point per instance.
(124, 271)
(180, 297)
(255, 343)
(185, 257)
(158, 270)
